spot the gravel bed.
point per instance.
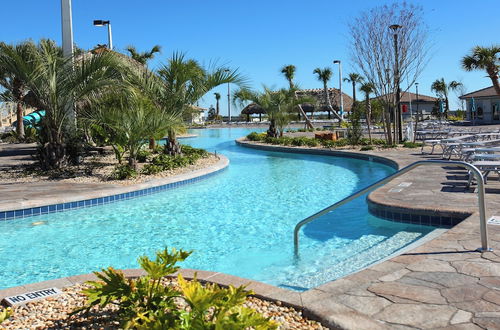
(53, 313)
(95, 169)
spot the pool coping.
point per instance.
(110, 195)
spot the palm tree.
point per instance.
(277, 104)
(441, 88)
(354, 79)
(325, 75)
(217, 98)
(289, 72)
(368, 88)
(57, 84)
(16, 89)
(484, 58)
(179, 84)
(143, 57)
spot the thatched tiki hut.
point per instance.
(320, 104)
(253, 109)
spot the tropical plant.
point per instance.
(324, 75)
(5, 314)
(277, 104)
(354, 79)
(484, 58)
(217, 99)
(127, 117)
(15, 87)
(177, 85)
(442, 89)
(289, 72)
(368, 89)
(143, 57)
(59, 85)
(147, 303)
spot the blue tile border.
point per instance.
(417, 217)
(53, 208)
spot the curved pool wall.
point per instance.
(238, 222)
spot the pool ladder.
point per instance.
(480, 194)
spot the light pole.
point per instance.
(416, 101)
(340, 88)
(67, 28)
(399, 119)
(228, 100)
(99, 22)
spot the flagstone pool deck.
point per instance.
(442, 284)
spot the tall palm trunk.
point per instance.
(329, 102)
(172, 147)
(18, 96)
(20, 123)
(301, 111)
(217, 108)
(494, 79)
(353, 92)
(387, 118)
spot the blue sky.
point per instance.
(258, 36)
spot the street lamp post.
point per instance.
(340, 88)
(416, 88)
(99, 22)
(399, 119)
(67, 28)
(228, 100)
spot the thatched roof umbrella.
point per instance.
(251, 109)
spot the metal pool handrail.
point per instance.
(472, 168)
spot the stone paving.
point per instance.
(441, 284)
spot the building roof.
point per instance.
(318, 94)
(485, 92)
(406, 96)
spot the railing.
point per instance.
(480, 193)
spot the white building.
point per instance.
(487, 106)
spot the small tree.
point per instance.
(442, 89)
(289, 72)
(143, 57)
(368, 88)
(324, 75)
(372, 49)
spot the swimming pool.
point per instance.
(239, 222)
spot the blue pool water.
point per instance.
(239, 222)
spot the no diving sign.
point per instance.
(31, 296)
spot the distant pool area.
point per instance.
(239, 221)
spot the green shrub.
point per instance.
(366, 148)
(254, 136)
(378, 142)
(191, 151)
(388, 146)
(149, 169)
(409, 144)
(142, 155)
(123, 172)
(146, 303)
